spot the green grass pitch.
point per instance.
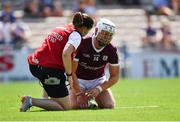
(136, 100)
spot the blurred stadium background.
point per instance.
(144, 51)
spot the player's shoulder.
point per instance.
(111, 47)
(87, 40)
(66, 28)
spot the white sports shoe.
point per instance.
(92, 104)
(26, 103)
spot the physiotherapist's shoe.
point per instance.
(26, 103)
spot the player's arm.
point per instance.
(114, 71)
(68, 49)
(114, 77)
(72, 44)
(82, 100)
(75, 84)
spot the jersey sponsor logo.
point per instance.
(6, 63)
(86, 55)
(85, 65)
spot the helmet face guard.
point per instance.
(105, 31)
(106, 25)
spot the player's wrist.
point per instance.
(68, 74)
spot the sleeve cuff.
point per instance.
(75, 59)
(114, 64)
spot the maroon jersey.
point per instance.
(92, 62)
(50, 53)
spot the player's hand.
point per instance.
(93, 93)
(82, 101)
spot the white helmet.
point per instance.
(106, 25)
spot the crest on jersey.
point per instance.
(105, 58)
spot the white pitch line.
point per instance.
(148, 106)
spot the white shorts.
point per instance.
(89, 84)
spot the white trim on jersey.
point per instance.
(76, 59)
(74, 39)
(114, 64)
(95, 47)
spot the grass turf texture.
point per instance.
(149, 99)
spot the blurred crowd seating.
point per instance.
(130, 23)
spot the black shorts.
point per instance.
(53, 80)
